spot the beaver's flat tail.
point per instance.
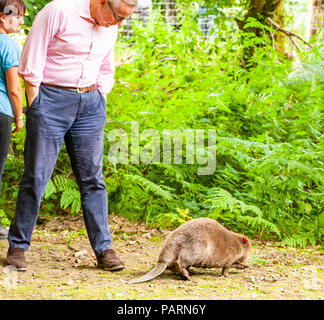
(156, 271)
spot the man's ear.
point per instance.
(102, 3)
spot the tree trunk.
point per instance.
(171, 12)
(279, 37)
(316, 17)
(261, 10)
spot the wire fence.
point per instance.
(169, 10)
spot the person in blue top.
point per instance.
(11, 98)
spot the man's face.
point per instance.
(106, 15)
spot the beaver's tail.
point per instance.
(156, 271)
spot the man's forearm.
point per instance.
(16, 102)
(31, 92)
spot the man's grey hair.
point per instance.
(116, 3)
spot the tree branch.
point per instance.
(290, 34)
(124, 61)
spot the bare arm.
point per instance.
(15, 96)
(31, 92)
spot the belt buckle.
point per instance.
(78, 90)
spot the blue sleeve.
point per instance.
(10, 55)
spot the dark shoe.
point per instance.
(109, 261)
(16, 257)
(3, 232)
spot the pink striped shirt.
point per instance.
(65, 48)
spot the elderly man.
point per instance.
(68, 67)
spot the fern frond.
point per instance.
(259, 221)
(221, 199)
(50, 189)
(63, 183)
(150, 186)
(71, 197)
(70, 193)
(298, 240)
(177, 173)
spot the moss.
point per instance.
(156, 239)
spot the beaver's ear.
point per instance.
(244, 240)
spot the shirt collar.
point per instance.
(84, 11)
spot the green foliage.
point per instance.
(268, 120)
(149, 186)
(68, 190)
(32, 8)
(3, 219)
(299, 240)
(233, 212)
(173, 219)
(70, 236)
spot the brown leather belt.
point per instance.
(78, 90)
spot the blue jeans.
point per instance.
(79, 119)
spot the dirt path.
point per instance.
(62, 265)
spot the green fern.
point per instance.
(3, 219)
(299, 240)
(62, 183)
(259, 221)
(150, 187)
(71, 197)
(172, 219)
(70, 194)
(178, 174)
(222, 201)
(50, 189)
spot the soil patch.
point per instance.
(62, 265)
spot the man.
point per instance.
(68, 67)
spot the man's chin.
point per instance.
(106, 25)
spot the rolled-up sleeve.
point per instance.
(105, 79)
(33, 56)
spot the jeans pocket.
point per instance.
(101, 96)
(35, 101)
(104, 105)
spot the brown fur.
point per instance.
(202, 243)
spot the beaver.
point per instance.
(202, 243)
